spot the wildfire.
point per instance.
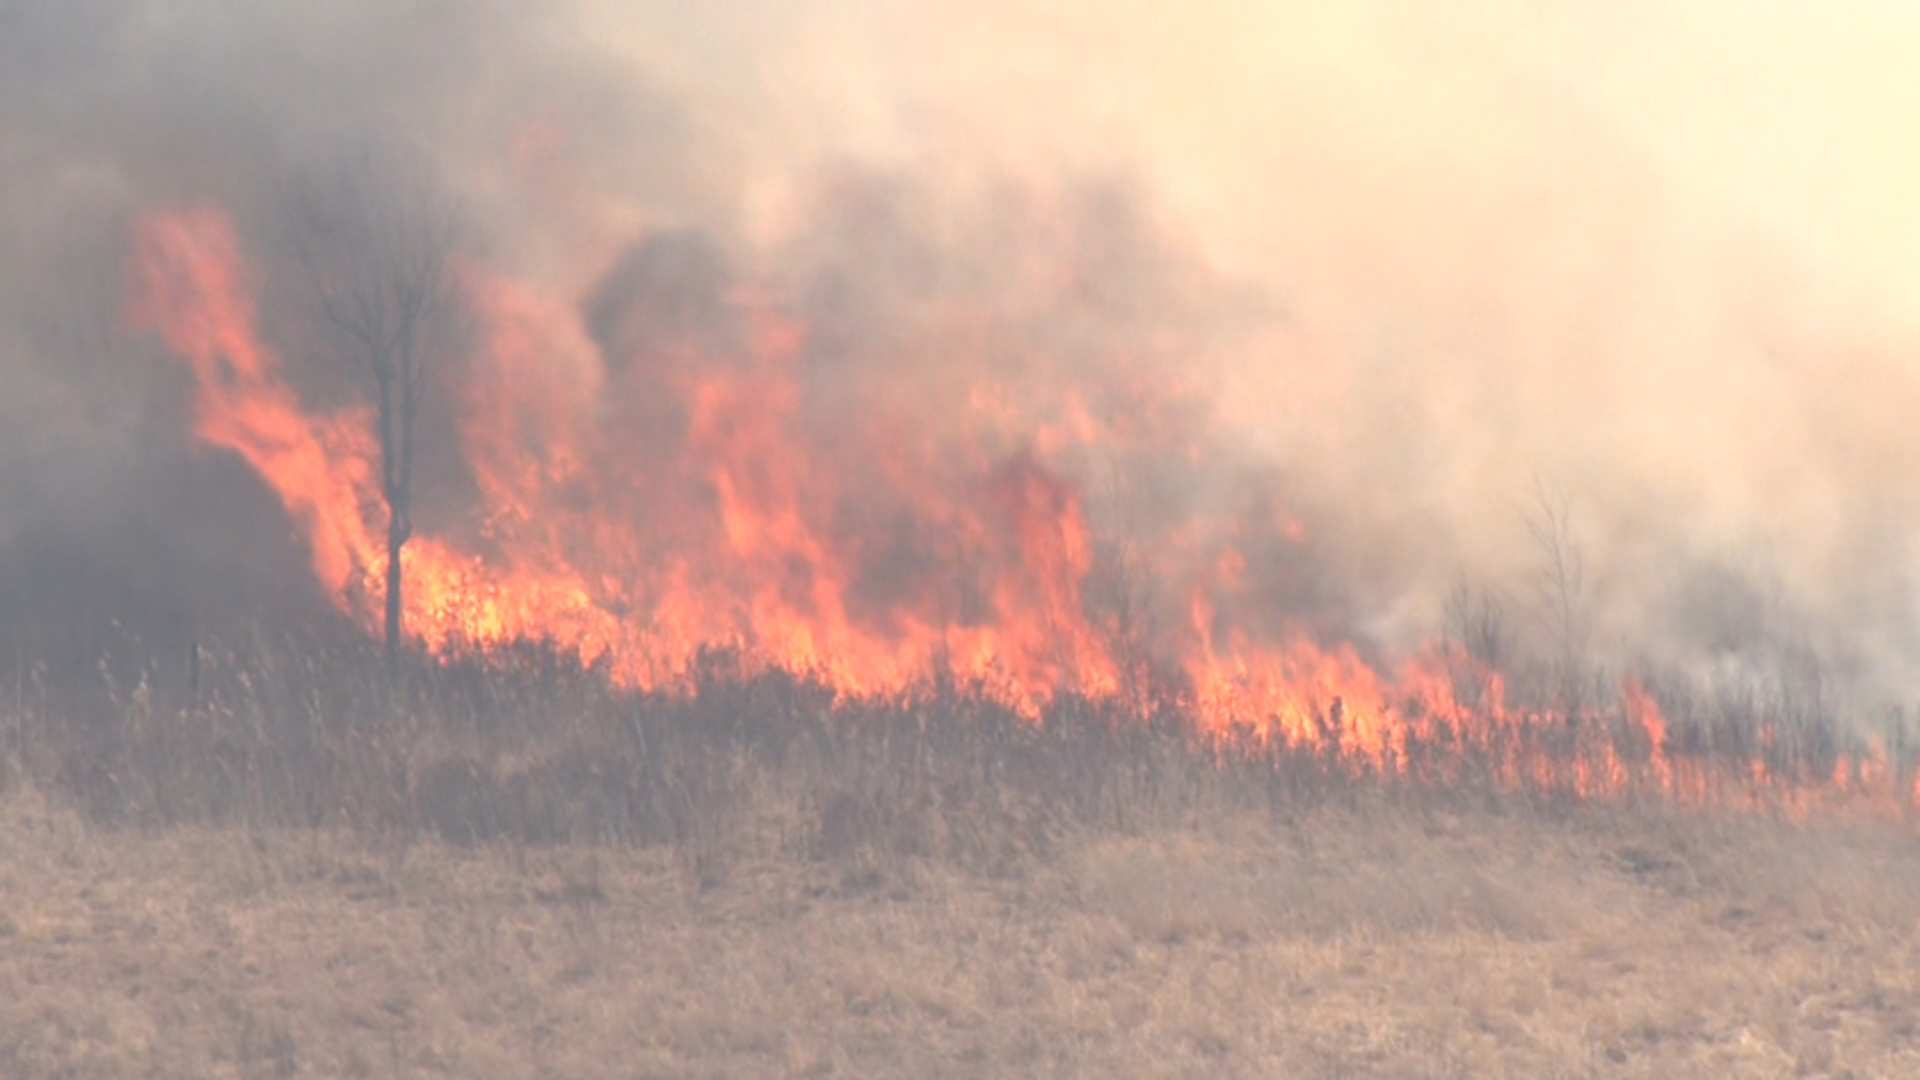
(645, 510)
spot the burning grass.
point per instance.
(698, 532)
(524, 743)
(974, 633)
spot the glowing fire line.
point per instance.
(725, 543)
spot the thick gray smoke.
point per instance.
(1437, 277)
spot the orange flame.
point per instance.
(737, 536)
(193, 290)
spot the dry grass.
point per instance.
(508, 869)
(1356, 942)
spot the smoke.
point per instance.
(1354, 286)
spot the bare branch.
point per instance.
(1562, 592)
(376, 241)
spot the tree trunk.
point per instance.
(399, 380)
(377, 243)
(396, 539)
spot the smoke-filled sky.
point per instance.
(1661, 259)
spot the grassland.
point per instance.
(496, 878)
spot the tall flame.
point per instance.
(194, 291)
(966, 560)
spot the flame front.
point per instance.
(691, 502)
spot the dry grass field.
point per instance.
(1353, 941)
(508, 870)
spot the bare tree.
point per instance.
(1562, 593)
(376, 239)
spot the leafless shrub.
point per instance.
(1560, 601)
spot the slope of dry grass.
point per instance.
(1362, 941)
